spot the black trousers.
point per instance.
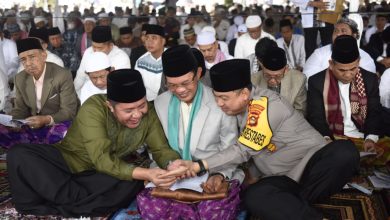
(279, 197)
(311, 37)
(42, 184)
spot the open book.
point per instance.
(7, 120)
(189, 183)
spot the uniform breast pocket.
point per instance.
(53, 99)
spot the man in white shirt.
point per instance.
(149, 64)
(97, 67)
(311, 25)
(381, 22)
(319, 60)
(292, 44)
(343, 100)
(191, 23)
(246, 44)
(208, 45)
(10, 55)
(190, 38)
(101, 42)
(221, 25)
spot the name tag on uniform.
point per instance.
(257, 133)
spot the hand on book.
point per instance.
(37, 121)
(213, 184)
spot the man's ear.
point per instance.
(331, 64)
(110, 106)
(199, 72)
(246, 94)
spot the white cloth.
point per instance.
(88, 90)
(223, 47)
(185, 114)
(38, 89)
(350, 129)
(222, 29)
(245, 45)
(306, 12)
(372, 30)
(118, 59)
(11, 58)
(151, 71)
(319, 61)
(384, 89)
(4, 89)
(120, 22)
(298, 45)
(51, 58)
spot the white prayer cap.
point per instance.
(205, 38)
(253, 21)
(242, 28)
(96, 61)
(39, 19)
(238, 20)
(209, 29)
(103, 15)
(89, 19)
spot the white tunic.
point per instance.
(245, 45)
(296, 50)
(88, 90)
(118, 59)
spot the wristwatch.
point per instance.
(202, 170)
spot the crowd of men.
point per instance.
(196, 93)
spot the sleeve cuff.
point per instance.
(51, 121)
(373, 137)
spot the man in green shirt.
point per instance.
(86, 174)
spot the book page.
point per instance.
(189, 183)
(6, 120)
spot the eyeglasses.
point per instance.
(277, 77)
(185, 84)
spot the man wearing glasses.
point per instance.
(277, 76)
(196, 128)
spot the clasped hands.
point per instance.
(180, 169)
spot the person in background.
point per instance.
(101, 42)
(293, 45)
(241, 30)
(105, 20)
(97, 67)
(150, 64)
(190, 38)
(141, 50)
(85, 39)
(246, 44)
(208, 45)
(277, 76)
(9, 52)
(343, 101)
(127, 41)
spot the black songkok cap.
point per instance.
(125, 86)
(275, 59)
(345, 49)
(230, 75)
(53, 31)
(200, 58)
(144, 27)
(101, 34)
(155, 29)
(28, 44)
(40, 33)
(178, 61)
(125, 30)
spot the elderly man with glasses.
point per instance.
(277, 76)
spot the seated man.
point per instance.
(208, 45)
(127, 41)
(45, 97)
(343, 100)
(196, 128)
(90, 173)
(101, 42)
(379, 49)
(277, 76)
(318, 61)
(298, 165)
(97, 67)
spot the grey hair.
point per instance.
(352, 24)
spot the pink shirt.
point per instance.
(38, 89)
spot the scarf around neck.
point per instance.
(173, 123)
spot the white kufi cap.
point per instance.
(96, 61)
(242, 28)
(209, 29)
(253, 21)
(205, 38)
